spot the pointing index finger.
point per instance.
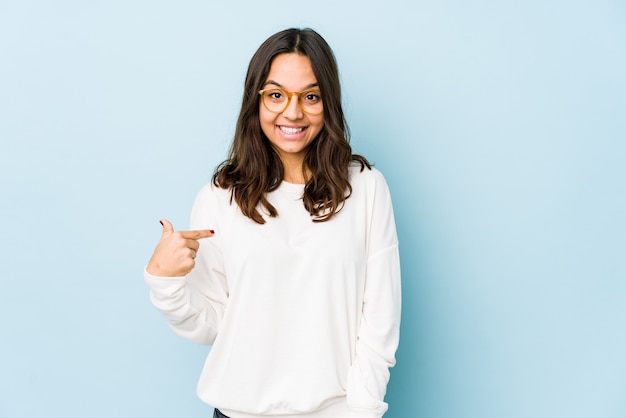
(197, 234)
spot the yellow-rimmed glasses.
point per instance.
(276, 100)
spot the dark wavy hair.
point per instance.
(254, 168)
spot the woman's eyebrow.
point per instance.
(279, 85)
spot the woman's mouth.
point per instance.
(291, 131)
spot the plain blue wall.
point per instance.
(500, 127)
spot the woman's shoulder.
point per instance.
(362, 174)
(209, 206)
(211, 194)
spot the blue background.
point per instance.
(500, 127)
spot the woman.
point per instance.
(297, 287)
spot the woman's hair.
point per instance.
(254, 168)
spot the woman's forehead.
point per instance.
(291, 71)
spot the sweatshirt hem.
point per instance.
(333, 409)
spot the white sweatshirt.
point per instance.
(303, 317)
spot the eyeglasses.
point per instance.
(276, 100)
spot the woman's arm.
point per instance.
(379, 328)
(193, 303)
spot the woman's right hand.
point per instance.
(175, 254)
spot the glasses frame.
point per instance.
(289, 95)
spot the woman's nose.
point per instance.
(293, 111)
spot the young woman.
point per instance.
(291, 269)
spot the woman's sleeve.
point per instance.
(193, 305)
(379, 329)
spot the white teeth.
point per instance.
(290, 130)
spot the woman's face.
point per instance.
(292, 130)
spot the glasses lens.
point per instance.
(311, 102)
(275, 100)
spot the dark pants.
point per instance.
(218, 414)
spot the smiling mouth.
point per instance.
(289, 130)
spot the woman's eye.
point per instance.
(275, 95)
(312, 97)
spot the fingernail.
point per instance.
(161, 222)
(211, 231)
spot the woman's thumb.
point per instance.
(168, 228)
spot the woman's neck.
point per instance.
(296, 177)
(294, 172)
